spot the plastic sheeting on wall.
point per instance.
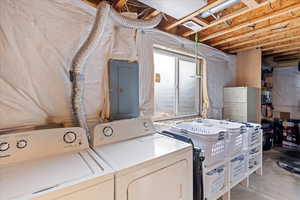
(38, 39)
(286, 91)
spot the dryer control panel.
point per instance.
(19, 147)
(121, 130)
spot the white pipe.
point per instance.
(79, 64)
(218, 8)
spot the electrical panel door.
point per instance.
(124, 89)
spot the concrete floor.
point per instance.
(275, 184)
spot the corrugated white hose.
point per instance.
(81, 57)
(79, 64)
(135, 23)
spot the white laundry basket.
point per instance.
(210, 139)
(215, 182)
(238, 169)
(254, 132)
(235, 133)
(254, 158)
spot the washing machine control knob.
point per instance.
(4, 146)
(108, 131)
(21, 144)
(70, 137)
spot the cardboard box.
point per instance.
(281, 115)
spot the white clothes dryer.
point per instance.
(147, 165)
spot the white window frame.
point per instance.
(188, 57)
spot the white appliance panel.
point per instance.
(168, 183)
(38, 144)
(121, 130)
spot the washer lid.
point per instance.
(37, 176)
(129, 153)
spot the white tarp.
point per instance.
(286, 91)
(38, 40)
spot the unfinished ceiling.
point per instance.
(272, 25)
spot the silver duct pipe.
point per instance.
(218, 8)
(79, 64)
(79, 61)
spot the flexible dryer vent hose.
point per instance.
(79, 61)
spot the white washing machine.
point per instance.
(147, 166)
(52, 164)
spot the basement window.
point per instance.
(177, 85)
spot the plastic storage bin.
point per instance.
(235, 133)
(238, 169)
(254, 158)
(210, 139)
(252, 136)
(215, 182)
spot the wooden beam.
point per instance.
(288, 53)
(152, 14)
(119, 4)
(257, 31)
(278, 34)
(250, 3)
(230, 16)
(279, 13)
(290, 57)
(191, 16)
(282, 50)
(202, 22)
(90, 3)
(272, 42)
(281, 46)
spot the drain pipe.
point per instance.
(218, 8)
(77, 73)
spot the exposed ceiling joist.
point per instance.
(119, 4)
(152, 14)
(269, 16)
(288, 57)
(191, 16)
(281, 46)
(273, 34)
(257, 31)
(290, 53)
(272, 42)
(282, 50)
(250, 3)
(202, 22)
(231, 16)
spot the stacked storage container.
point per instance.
(234, 146)
(232, 151)
(212, 141)
(253, 146)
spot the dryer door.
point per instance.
(170, 183)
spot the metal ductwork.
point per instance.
(218, 8)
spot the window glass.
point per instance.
(177, 85)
